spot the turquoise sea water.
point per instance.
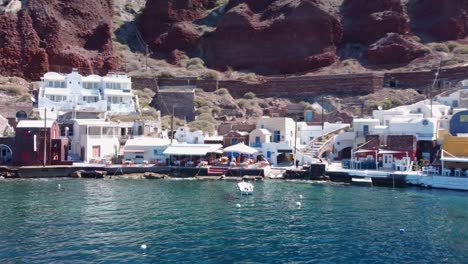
(106, 221)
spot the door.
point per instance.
(387, 161)
(96, 151)
(365, 129)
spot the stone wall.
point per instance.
(182, 101)
(274, 86)
(425, 79)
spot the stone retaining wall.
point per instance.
(274, 86)
(425, 79)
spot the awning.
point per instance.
(455, 159)
(134, 151)
(382, 151)
(365, 150)
(192, 149)
(241, 148)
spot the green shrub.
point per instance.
(426, 50)
(439, 47)
(222, 91)
(166, 74)
(150, 113)
(202, 125)
(200, 102)
(207, 117)
(204, 109)
(449, 62)
(195, 61)
(461, 49)
(250, 77)
(166, 122)
(13, 90)
(210, 75)
(249, 95)
(243, 103)
(195, 67)
(452, 45)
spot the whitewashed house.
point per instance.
(457, 99)
(274, 137)
(74, 92)
(185, 135)
(146, 149)
(95, 139)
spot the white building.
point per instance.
(185, 135)
(95, 139)
(419, 109)
(74, 92)
(457, 99)
(274, 137)
(146, 149)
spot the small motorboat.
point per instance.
(245, 188)
(366, 181)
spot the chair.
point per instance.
(446, 172)
(458, 172)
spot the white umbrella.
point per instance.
(241, 148)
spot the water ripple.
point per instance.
(192, 221)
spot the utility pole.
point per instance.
(146, 57)
(322, 116)
(172, 123)
(45, 136)
(295, 142)
(433, 83)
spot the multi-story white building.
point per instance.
(95, 139)
(74, 92)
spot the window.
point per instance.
(257, 143)
(155, 152)
(138, 156)
(276, 136)
(365, 129)
(234, 141)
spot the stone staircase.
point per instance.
(316, 147)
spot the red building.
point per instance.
(398, 154)
(235, 137)
(32, 136)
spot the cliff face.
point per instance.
(440, 20)
(287, 36)
(251, 33)
(263, 36)
(57, 35)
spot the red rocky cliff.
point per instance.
(163, 23)
(366, 21)
(440, 19)
(57, 35)
(279, 37)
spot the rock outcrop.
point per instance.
(284, 36)
(392, 50)
(162, 23)
(440, 20)
(57, 35)
(366, 21)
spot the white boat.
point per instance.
(367, 181)
(245, 188)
